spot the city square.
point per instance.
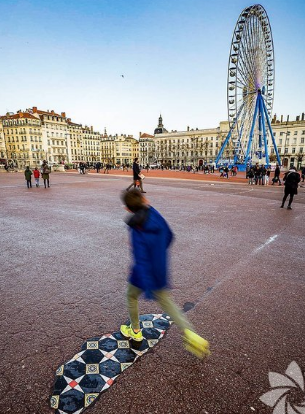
(237, 267)
(152, 223)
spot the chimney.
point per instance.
(140, 133)
(35, 109)
(188, 128)
(281, 118)
(69, 119)
(63, 114)
(303, 116)
(287, 118)
(91, 128)
(52, 111)
(297, 118)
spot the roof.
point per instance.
(146, 136)
(20, 115)
(39, 112)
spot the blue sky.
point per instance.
(69, 56)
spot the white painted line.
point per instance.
(270, 240)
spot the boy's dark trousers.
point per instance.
(29, 183)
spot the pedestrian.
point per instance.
(250, 176)
(268, 172)
(28, 176)
(98, 167)
(263, 173)
(303, 174)
(137, 176)
(291, 180)
(151, 237)
(82, 168)
(36, 176)
(258, 174)
(276, 177)
(45, 172)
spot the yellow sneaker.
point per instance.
(195, 344)
(127, 331)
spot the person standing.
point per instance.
(268, 175)
(291, 180)
(277, 173)
(151, 237)
(263, 174)
(250, 176)
(45, 172)
(28, 176)
(303, 174)
(136, 176)
(98, 166)
(36, 176)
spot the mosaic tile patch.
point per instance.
(80, 381)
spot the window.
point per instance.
(279, 150)
(302, 140)
(293, 150)
(274, 134)
(280, 141)
(301, 150)
(281, 134)
(295, 133)
(272, 150)
(286, 150)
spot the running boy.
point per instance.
(151, 237)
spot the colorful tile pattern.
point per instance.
(79, 382)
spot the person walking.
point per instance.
(151, 237)
(136, 176)
(28, 176)
(291, 180)
(45, 172)
(36, 176)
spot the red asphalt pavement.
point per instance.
(237, 257)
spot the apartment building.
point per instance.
(75, 142)
(122, 149)
(55, 134)
(146, 149)
(91, 143)
(3, 153)
(23, 139)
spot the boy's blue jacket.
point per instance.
(150, 237)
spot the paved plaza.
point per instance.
(237, 268)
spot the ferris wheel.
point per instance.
(250, 88)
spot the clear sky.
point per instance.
(70, 56)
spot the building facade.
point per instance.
(28, 137)
(91, 143)
(23, 139)
(126, 149)
(146, 149)
(55, 135)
